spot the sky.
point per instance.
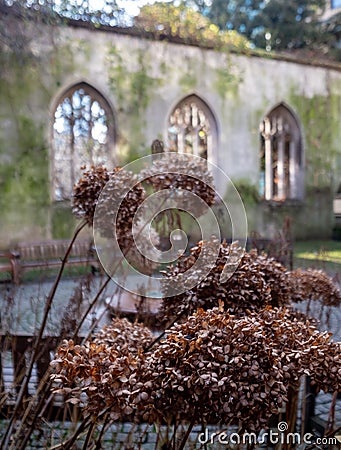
(131, 6)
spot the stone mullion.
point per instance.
(293, 170)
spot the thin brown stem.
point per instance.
(105, 425)
(89, 434)
(188, 432)
(91, 305)
(5, 440)
(68, 444)
(331, 415)
(34, 419)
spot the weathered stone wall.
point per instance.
(143, 80)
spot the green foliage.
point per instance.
(141, 83)
(290, 24)
(235, 15)
(275, 24)
(164, 19)
(133, 89)
(236, 24)
(318, 254)
(62, 220)
(188, 81)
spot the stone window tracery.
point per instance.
(192, 128)
(82, 135)
(281, 156)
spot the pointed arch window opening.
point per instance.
(191, 128)
(280, 156)
(83, 135)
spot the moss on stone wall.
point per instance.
(61, 62)
(226, 83)
(320, 127)
(63, 222)
(133, 90)
(188, 81)
(24, 185)
(247, 191)
(24, 177)
(227, 79)
(32, 163)
(24, 180)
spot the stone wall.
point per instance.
(143, 79)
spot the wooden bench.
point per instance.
(7, 263)
(45, 255)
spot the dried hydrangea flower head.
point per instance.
(276, 277)
(180, 173)
(312, 284)
(89, 193)
(258, 281)
(137, 256)
(96, 375)
(87, 190)
(221, 368)
(215, 367)
(118, 203)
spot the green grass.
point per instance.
(40, 275)
(318, 254)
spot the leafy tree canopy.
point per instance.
(272, 24)
(267, 24)
(290, 24)
(191, 26)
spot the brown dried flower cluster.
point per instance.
(312, 284)
(124, 336)
(87, 190)
(275, 276)
(221, 368)
(96, 374)
(302, 349)
(87, 196)
(181, 173)
(258, 281)
(213, 368)
(117, 206)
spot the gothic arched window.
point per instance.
(281, 156)
(192, 128)
(83, 134)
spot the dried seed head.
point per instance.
(87, 190)
(99, 373)
(117, 205)
(258, 281)
(215, 366)
(314, 284)
(175, 171)
(224, 368)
